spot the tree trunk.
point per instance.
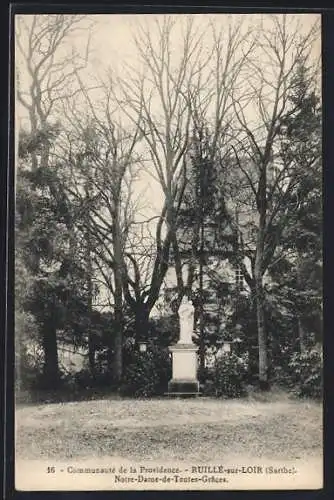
(261, 332)
(260, 316)
(91, 337)
(117, 368)
(91, 355)
(201, 352)
(262, 340)
(51, 366)
(201, 223)
(201, 313)
(258, 276)
(88, 259)
(110, 356)
(141, 322)
(301, 331)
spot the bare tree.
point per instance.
(268, 177)
(104, 164)
(175, 78)
(49, 62)
(160, 100)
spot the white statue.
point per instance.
(186, 315)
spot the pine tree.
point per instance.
(300, 285)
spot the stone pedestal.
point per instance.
(184, 380)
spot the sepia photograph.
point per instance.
(168, 252)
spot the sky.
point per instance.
(112, 47)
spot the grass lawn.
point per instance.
(177, 429)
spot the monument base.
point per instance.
(184, 381)
(183, 388)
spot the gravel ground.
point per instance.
(190, 429)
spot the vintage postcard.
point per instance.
(168, 255)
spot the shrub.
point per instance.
(204, 375)
(305, 375)
(230, 372)
(147, 373)
(84, 379)
(28, 369)
(28, 353)
(208, 388)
